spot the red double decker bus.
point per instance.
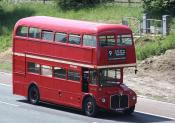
(73, 63)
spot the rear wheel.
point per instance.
(129, 110)
(90, 107)
(33, 95)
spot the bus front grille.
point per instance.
(119, 102)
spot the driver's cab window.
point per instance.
(93, 77)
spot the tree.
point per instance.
(78, 4)
(158, 7)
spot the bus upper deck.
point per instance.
(95, 45)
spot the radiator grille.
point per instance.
(119, 101)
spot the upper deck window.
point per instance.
(22, 31)
(34, 33)
(61, 37)
(89, 40)
(74, 39)
(47, 35)
(107, 40)
(124, 39)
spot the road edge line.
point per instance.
(9, 104)
(144, 97)
(7, 85)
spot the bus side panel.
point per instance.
(74, 53)
(72, 93)
(33, 46)
(60, 51)
(46, 88)
(19, 85)
(20, 44)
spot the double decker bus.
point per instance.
(73, 63)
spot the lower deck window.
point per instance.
(59, 72)
(73, 75)
(33, 67)
(46, 70)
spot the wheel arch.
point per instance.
(31, 85)
(85, 97)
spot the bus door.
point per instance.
(93, 81)
(85, 80)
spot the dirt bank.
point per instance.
(155, 77)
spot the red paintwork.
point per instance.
(88, 55)
(62, 91)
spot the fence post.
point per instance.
(125, 22)
(146, 24)
(165, 24)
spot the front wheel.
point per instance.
(90, 107)
(33, 95)
(129, 110)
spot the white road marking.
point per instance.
(145, 98)
(5, 73)
(155, 115)
(7, 85)
(9, 104)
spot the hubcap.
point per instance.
(89, 107)
(34, 95)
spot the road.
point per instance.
(15, 109)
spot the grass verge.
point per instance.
(5, 67)
(149, 47)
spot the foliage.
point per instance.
(101, 13)
(150, 47)
(78, 4)
(13, 12)
(158, 7)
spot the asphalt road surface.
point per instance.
(15, 109)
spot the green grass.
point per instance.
(155, 46)
(5, 42)
(5, 66)
(10, 13)
(102, 13)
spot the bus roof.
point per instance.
(71, 26)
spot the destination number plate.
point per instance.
(118, 54)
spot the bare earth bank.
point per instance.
(155, 77)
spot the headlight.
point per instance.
(103, 100)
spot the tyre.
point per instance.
(33, 95)
(90, 107)
(129, 111)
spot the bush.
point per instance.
(158, 7)
(154, 47)
(78, 4)
(75, 4)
